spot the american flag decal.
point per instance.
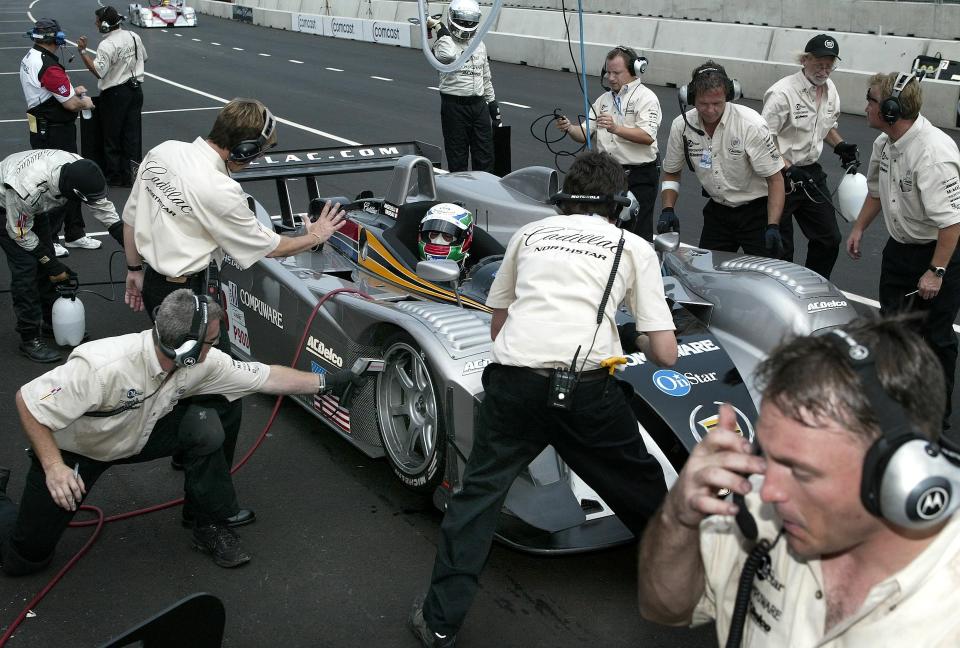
(329, 406)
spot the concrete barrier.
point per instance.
(710, 39)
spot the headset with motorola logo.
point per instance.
(251, 149)
(907, 479)
(890, 108)
(186, 352)
(688, 96)
(636, 64)
(625, 199)
(47, 31)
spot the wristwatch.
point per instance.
(938, 270)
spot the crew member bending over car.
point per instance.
(125, 400)
(731, 151)
(545, 300)
(185, 212)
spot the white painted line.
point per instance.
(163, 31)
(380, 78)
(11, 121)
(179, 35)
(433, 88)
(875, 304)
(173, 110)
(335, 69)
(217, 44)
(9, 33)
(515, 105)
(19, 47)
(195, 40)
(295, 61)
(239, 49)
(13, 21)
(262, 54)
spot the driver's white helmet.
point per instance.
(463, 18)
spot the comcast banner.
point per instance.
(371, 31)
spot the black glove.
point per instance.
(668, 221)
(849, 154)
(772, 241)
(495, 115)
(116, 231)
(336, 382)
(628, 337)
(442, 31)
(797, 174)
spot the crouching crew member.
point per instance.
(729, 148)
(119, 68)
(123, 400)
(546, 299)
(914, 178)
(802, 111)
(624, 123)
(34, 184)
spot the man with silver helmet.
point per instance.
(467, 100)
(446, 232)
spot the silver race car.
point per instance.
(162, 13)
(363, 300)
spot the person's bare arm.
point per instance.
(499, 318)
(331, 219)
(66, 488)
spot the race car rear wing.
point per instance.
(308, 164)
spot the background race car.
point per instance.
(162, 13)
(365, 295)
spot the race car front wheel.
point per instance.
(410, 415)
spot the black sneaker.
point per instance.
(222, 543)
(428, 638)
(38, 351)
(242, 518)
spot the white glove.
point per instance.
(432, 23)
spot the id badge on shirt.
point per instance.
(706, 159)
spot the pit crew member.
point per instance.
(545, 300)
(624, 123)
(837, 574)
(914, 178)
(52, 106)
(118, 67)
(125, 400)
(467, 100)
(731, 151)
(802, 111)
(34, 185)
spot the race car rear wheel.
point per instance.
(410, 414)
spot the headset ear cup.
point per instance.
(685, 93)
(890, 110)
(874, 461)
(916, 490)
(735, 90)
(640, 65)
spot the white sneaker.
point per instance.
(60, 251)
(84, 242)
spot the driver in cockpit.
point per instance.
(446, 232)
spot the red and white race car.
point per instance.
(162, 13)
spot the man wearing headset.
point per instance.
(841, 571)
(914, 178)
(467, 101)
(52, 107)
(185, 213)
(802, 111)
(545, 302)
(624, 123)
(125, 400)
(119, 68)
(731, 151)
(35, 185)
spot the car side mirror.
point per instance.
(439, 271)
(667, 242)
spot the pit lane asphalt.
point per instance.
(339, 548)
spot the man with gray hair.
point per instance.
(125, 400)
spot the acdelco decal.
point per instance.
(319, 349)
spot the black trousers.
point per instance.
(31, 290)
(467, 132)
(155, 289)
(64, 138)
(642, 182)
(40, 522)
(598, 438)
(730, 228)
(817, 221)
(900, 269)
(120, 108)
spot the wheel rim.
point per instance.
(407, 408)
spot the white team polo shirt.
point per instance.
(120, 57)
(798, 124)
(551, 281)
(118, 372)
(916, 607)
(185, 209)
(635, 106)
(917, 179)
(732, 165)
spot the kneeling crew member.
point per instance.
(33, 185)
(731, 151)
(81, 419)
(545, 301)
